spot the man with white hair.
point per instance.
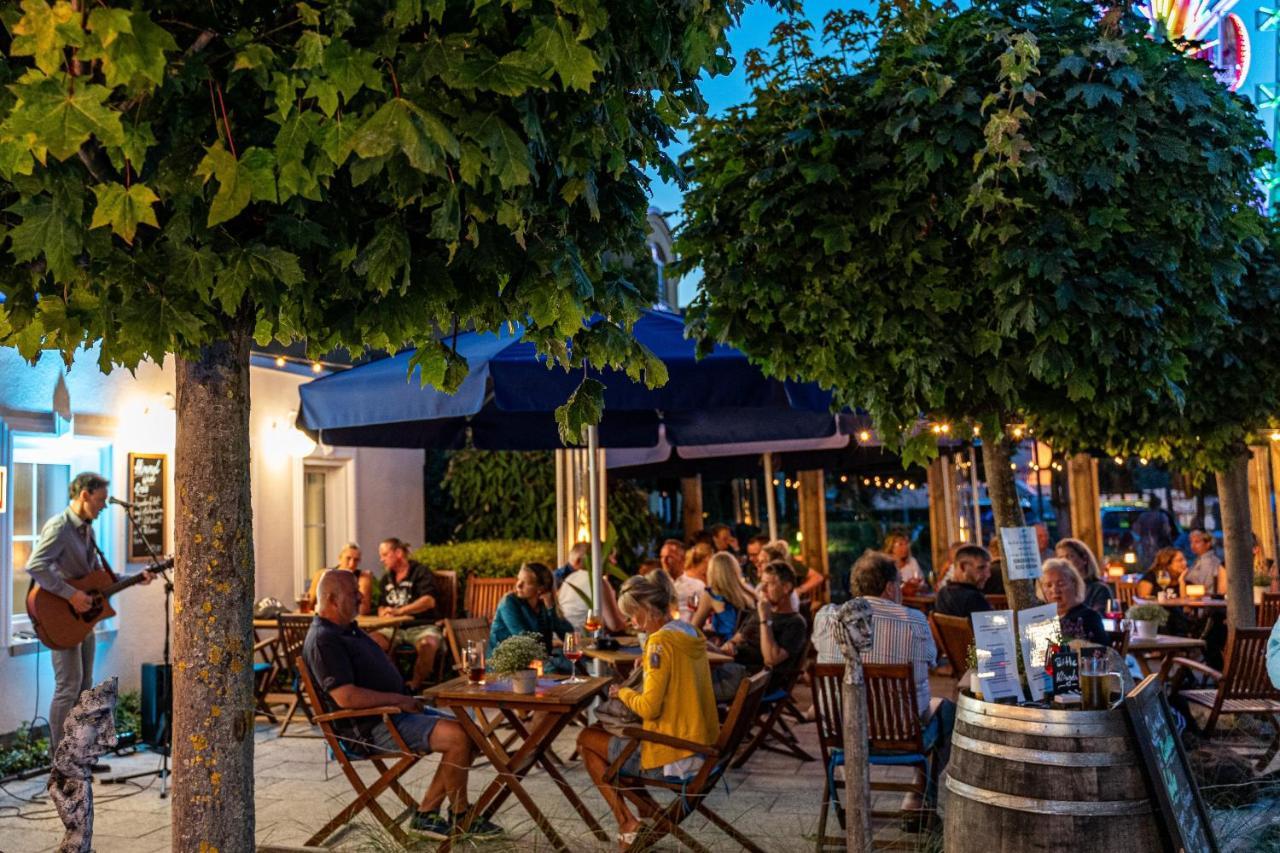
(352, 672)
(576, 559)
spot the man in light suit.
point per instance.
(66, 551)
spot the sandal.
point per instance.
(626, 839)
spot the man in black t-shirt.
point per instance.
(774, 635)
(351, 672)
(409, 589)
(962, 596)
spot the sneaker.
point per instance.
(431, 824)
(481, 828)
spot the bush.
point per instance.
(486, 558)
(129, 716)
(24, 752)
(1149, 613)
(516, 653)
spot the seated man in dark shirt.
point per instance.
(962, 596)
(352, 672)
(409, 589)
(774, 635)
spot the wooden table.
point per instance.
(627, 656)
(1184, 602)
(1156, 649)
(554, 705)
(920, 601)
(368, 623)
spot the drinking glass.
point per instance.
(573, 653)
(593, 622)
(1164, 579)
(473, 659)
(1114, 609)
(1094, 674)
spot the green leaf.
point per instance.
(399, 125)
(573, 61)
(386, 255)
(584, 408)
(61, 117)
(251, 178)
(44, 32)
(124, 209)
(513, 74)
(509, 154)
(131, 52)
(50, 229)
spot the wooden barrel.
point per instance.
(1025, 779)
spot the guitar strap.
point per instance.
(103, 557)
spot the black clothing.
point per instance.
(417, 582)
(790, 631)
(960, 599)
(995, 583)
(1082, 623)
(338, 656)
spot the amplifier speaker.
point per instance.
(157, 704)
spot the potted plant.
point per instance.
(514, 658)
(971, 661)
(1147, 618)
(1261, 583)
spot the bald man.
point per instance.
(352, 672)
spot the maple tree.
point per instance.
(185, 177)
(1016, 211)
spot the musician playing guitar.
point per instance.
(67, 551)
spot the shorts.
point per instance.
(410, 634)
(414, 728)
(631, 767)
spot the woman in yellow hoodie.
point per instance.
(676, 699)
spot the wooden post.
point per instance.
(1086, 507)
(943, 518)
(857, 769)
(813, 527)
(691, 491)
(1260, 489)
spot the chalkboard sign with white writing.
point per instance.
(1066, 671)
(148, 480)
(1186, 821)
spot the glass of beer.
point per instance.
(573, 653)
(1095, 692)
(474, 659)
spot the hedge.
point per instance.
(486, 558)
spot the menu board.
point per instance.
(1021, 553)
(1185, 818)
(997, 672)
(148, 482)
(1066, 672)
(1037, 631)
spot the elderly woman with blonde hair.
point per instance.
(1096, 593)
(1060, 584)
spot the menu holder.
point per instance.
(996, 674)
(1186, 823)
(148, 492)
(1021, 553)
(1038, 629)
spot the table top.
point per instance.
(1160, 643)
(1183, 602)
(368, 623)
(631, 654)
(552, 693)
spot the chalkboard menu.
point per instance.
(148, 481)
(1186, 822)
(1066, 671)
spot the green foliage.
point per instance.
(24, 752)
(512, 495)
(1021, 209)
(486, 558)
(516, 653)
(129, 713)
(1148, 613)
(345, 172)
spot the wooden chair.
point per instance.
(689, 795)
(1243, 686)
(956, 635)
(1268, 610)
(1125, 592)
(347, 751)
(459, 632)
(895, 735)
(483, 595)
(266, 669)
(828, 715)
(447, 589)
(772, 731)
(998, 602)
(292, 634)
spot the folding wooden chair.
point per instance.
(447, 593)
(771, 730)
(267, 667)
(1268, 610)
(998, 602)
(292, 634)
(348, 750)
(1125, 592)
(955, 635)
(1243, 686)
(828, 705)
(895, 735)
(483, 595)
(690, 794)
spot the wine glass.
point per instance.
(593, 622)
(1164, 579)
(573, 653)
(1114, 609)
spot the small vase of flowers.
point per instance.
(514, 657)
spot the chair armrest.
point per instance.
(356, 713)
(1167, 668)
(637, 733)
(263, 644)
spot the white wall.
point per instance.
(129, 410)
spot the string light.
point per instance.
(1275, 435)
(977, 429)
(1013, 466)
(775, 481)
(946, 429)
(1119, 460)
(1017, 432)
(279, 361)
(866, 481)
(864, 436)
(316, 367)
(843, 478)
(1142, 460)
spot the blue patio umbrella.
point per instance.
(508, 400)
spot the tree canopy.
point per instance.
(1021, 209)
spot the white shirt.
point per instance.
(899, 635)
(573, 606)
(687, 587)
(911, 571)
(1205, 570)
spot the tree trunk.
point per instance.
(1237, 534)
(1006, 511)
(857, 770)
(213, 627)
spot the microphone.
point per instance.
(118, 502)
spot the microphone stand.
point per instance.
(165, 735)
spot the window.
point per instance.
(322, 512)
(39, 493)
(315, 541)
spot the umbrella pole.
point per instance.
(770, 496)
(593, 493)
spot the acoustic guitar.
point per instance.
(57, 623)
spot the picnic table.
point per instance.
(553, 706)
(1155, 649)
